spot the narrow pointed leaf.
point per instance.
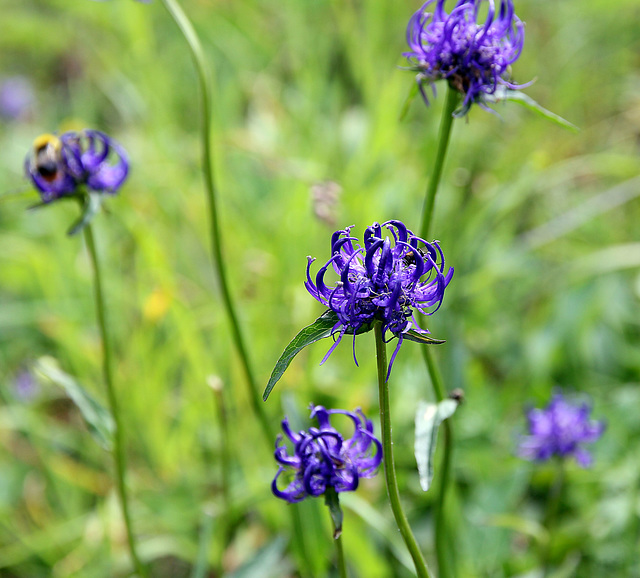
(92, 205)
(318, 330)
(422, 338)
(519, 97)
(429, 416)
(407, 103)
(96, 416)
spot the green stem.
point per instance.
(443, 144)
(553, 506)
(387, 455)
(441, 530)
(342, 568)
(204, 82)
(118, 435)
(332, 501)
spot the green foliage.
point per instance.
(545, 293)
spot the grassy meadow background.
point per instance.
(541, 225)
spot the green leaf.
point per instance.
(421, 338)
(96, 416)
(92, 204)
(407, 102)
(519, 97)
(429, 416)
(318, 330)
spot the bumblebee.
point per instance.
(47, 156)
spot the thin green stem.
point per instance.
(204, 82)
(387, 456)
(118, 435)
(342, 567)
(443, 144)
(441, 530)
(553, 506)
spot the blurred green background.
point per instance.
(541, 225)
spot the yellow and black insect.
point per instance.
(47, 156)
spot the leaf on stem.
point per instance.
(429, 416)
(318, 330)
(98, 419)
(519, 97)
(92, 204)
(422, 338)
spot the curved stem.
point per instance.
(387, 455)
(441, 530)
(204, 82)
(118, 434)
(443, 144)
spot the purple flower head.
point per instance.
(386, 279)
(474, 57)
(58, 166)
(560, 429)
(322, 457)
(16, 97)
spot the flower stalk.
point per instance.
(118, 434)
(387, 452)
(204, 82)
(450, 105)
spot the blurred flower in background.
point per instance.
(473, 57)
(17, 97)
(322, 457)
(58, 166)
(560, 430)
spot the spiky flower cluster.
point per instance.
(59, 166)
(474, 57)
(560, 429)
(322, 457)
(386, 280)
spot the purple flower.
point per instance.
(560, 429)
(384, 280)
(474, 58)
(322, 457)
(59, 166)
(16, 97)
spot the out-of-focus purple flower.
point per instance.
(560, 429)
(385, 280)
(16, 97)
(474, 57)
(322, 457)
(59, 166)
(25, 385)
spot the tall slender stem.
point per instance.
(342, 567)
(553, 506)
(387, 456)
(443, 144)
(441, 531)
(446, 123)
(204, 82)
(118, 436)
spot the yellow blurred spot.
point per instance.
(156, 305)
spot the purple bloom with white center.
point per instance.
(59, 166)
(560, 430)
(322, 458)
(386, 280)
(474, 57)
